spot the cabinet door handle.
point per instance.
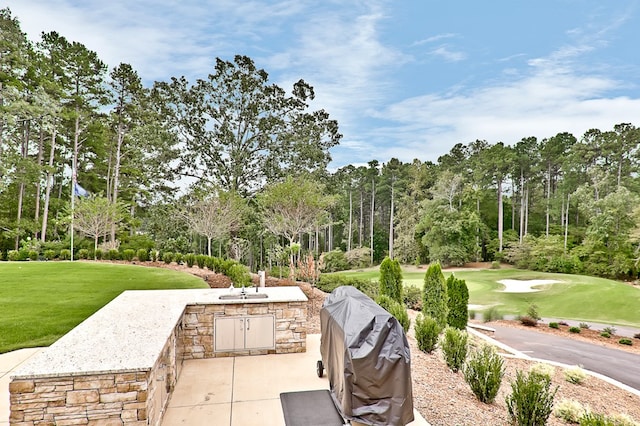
(241, 323)
(248, 324)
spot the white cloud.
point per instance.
(447, 54)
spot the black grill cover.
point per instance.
(367, 357)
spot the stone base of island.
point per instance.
(120, 365)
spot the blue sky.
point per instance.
(405, 79)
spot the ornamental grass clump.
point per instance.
(531, 399)
(454, 347)
(483, 373)
(575, 375)
(569, 410)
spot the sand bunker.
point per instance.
(524, 286)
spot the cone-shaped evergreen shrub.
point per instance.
(391, 279)
(434, 295)
(457, 301)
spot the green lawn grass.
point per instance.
(41, 301)
(579, 297)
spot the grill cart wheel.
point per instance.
(320, 368)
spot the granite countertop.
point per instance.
(129, 332)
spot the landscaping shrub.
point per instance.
(621, 420)
(636, 336)
(611, 330)
(483, 373)
(128, 254)
(434, 295)
(472, 314)
(569, 410)
(329, 282)
(575, 375)
(491, 314)
(190, 259)
(454, 347)
(605, 334)
(99, 254)
(625, 341)
(543, 369)
(531, 399)
(114, 254)
(201, 260)
(209, 263)
(396, 309)
(412, 297)
(334, 261)
(83, 254)
(167, 257)
(563, 323)
(457, 302)
(584, 325)
(33, 255)
(495, 265)
(595, 419)
(65, 254)
(427, 331)
(239, 275)
(554, 325)
(15, 255)
(574, 329)
(142, 255)
(359, 257)
(528, 321)
(178, 258)
(49, 254)
(391, 279)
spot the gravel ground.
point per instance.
(443, 397)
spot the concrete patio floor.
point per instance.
(237, 391)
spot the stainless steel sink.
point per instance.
(243, 296)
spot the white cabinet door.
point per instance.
(229, 334)
(260, 332)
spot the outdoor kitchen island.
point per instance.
(121, 364)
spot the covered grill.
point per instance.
(367, 358)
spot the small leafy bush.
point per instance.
(33, 255)
(190, 259)
(636, 336)
(128, 254)
(201, 260)
(569, 410)
(99, 254)
(574, 329)
(563, 323)
(396, 309)
(114, 254)
(528, 321)
(178, 258)
(584, 325)
(483, 372)
(531, 399)
(611, 330)
(143, 255)
(329, 282)
(210, 263)
(532, 312)
(427, 331)
(14, 255)
(334, 261)
(605, 334)
(554, 325)
(167, 257)
(65, 254)
(575, 375)
(49, 254)
(239, 275)
(83, 254)
(412, 297)
(625, 341)
(495, 265)
(622, 420)
(454, 347)
(491, 314)
(472, 314)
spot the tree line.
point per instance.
(236, 166)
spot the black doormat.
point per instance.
(310, 408)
